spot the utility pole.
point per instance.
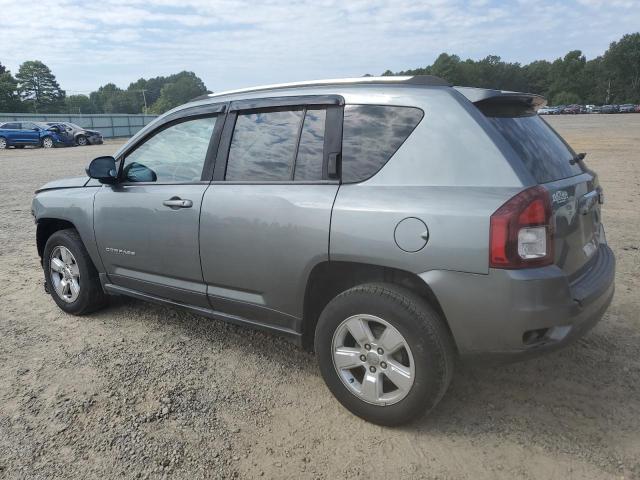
(144, 98)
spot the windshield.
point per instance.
(540, 148)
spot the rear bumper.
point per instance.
(512, 314)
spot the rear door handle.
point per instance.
(176, 202)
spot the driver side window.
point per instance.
(173, 155)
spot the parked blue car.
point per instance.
(19, 134)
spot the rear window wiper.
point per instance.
(577, 158)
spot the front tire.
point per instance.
(384, 353)
(3, 143)
(82, 141)
(71, 277)
(47, 142)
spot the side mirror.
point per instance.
(35, 129)
(103, 169)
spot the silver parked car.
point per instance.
(81, 136)
(392, 225)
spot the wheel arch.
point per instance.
(47, 227)
(328, 279)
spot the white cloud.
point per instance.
(233, 43)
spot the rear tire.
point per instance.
(47, 142)
(82, 141)
(3, 143)
(73, 281)
(425, 356)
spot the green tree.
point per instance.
(611, 78)
(184, 87)
(79, 104)
(567, 76)
(622, 63)
(9, 99)
(112, 99)
(565, 98)
(38, 88)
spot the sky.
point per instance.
(240, 43)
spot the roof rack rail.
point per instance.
(425, 80)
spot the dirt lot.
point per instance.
(142, 391)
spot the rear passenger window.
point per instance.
(263, 146)
(371, 135)
(11, 126)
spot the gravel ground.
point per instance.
(143, 391)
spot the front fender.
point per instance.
(73, 205)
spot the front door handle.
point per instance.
(176, 202)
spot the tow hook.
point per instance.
(46, 287)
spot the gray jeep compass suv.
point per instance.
(389, 224)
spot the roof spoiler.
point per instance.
(488, 97)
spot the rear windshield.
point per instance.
(541, 149)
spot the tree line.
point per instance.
(613, 77)
(34, 89)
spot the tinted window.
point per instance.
(310, 152)
(11, 126)
(176, 154)
(263, 146)
(541, 149)
(371, 135)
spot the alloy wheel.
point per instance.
(373, 359)
(47, 143)
(65, 274)
(3, 144)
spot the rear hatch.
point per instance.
(573, 189)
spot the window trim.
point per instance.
(292, 101)
(332, 134)
(209, 111)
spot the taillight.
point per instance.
(521, 234)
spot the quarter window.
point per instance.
(371, 135)
(263, 145)
(174, 155)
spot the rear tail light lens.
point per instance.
(521, 232)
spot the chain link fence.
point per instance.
(110, 125)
